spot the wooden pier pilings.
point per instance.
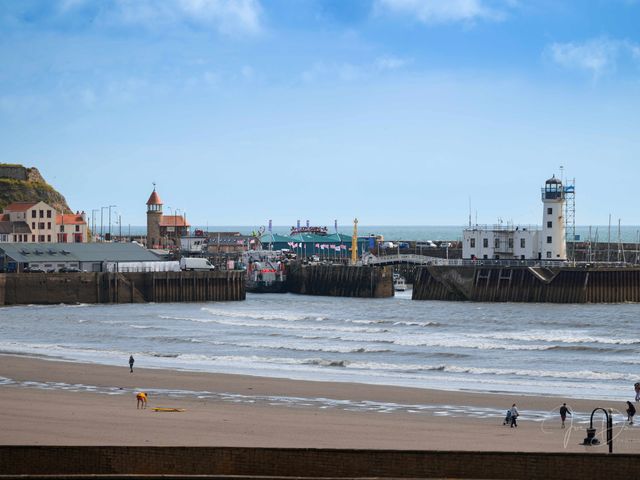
(528, 284)
(340, 280)
(106, 287)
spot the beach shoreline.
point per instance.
(51, 402)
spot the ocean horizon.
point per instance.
(595, 233)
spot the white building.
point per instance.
(523, 243)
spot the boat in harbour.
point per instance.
(399, 283)
(265, 272)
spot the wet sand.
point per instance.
(63, 403)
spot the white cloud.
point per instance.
(390, 63)
(598, 56)
(232, 17)
(441, 11)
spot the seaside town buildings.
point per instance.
(524, 243)
(38, 222)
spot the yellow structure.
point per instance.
(354, 242)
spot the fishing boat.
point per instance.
(399, 283)
(265, 272)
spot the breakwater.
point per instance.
(340, 280)
(580, 284)
(106, 287)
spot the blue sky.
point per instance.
(398, 112)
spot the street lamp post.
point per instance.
(93, 222)
(102, 223)
(110, 220)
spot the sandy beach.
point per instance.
(63, 403)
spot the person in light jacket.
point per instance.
(514, 416)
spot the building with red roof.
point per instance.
(163, 231)
(38, 222)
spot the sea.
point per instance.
(596, 233)
(585, 351)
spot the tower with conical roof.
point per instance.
(154, 215)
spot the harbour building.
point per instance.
(509, 242)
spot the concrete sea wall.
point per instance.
(54, 288)
(528, 284)
(244, 462)
(340, 280)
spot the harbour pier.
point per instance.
(582, 283)
(118, 287)
(340, 280)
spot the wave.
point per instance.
(282, 326)
(262, 316)
(555, 337)
(313, 348)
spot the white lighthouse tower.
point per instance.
(553, 245)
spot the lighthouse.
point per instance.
(553, 245)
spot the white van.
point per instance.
(195, 264)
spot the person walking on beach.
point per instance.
(141, 397)
(131, 360)
(631, 411)
(564, 411)
(637, 389)
(514, 416)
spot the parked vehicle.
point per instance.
(445, 245)
(69, 270)
(33, 270)
(427, 244)
(196, 264)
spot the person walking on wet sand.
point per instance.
(564, 411)
(131, 360)
(631, 411)
(636, 386)
(141, 397)
(514, 416)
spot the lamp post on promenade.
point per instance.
(102, 223)
(110, 220)
(93, 222)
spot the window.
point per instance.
(549, 240)
(485, 257)
(473, 242)
(548, 254)
(41, 238)
(41, 225)
(522, 243)
(33, 225)
(549, 211)
(62, 228)
(77, 228)
(485, 242)
(48, 238)
(48, 213)
(496, 243)
(48, 225)
(549, 224)
(41, 213)
(33, 214)
(511, 243)
(33, 238)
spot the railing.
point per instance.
(426, 260)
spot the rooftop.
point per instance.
(79, 252)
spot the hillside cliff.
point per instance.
(22, 184)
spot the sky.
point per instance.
(397, 112)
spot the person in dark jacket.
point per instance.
(564, 411)
(131, 360)
(631, 411)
